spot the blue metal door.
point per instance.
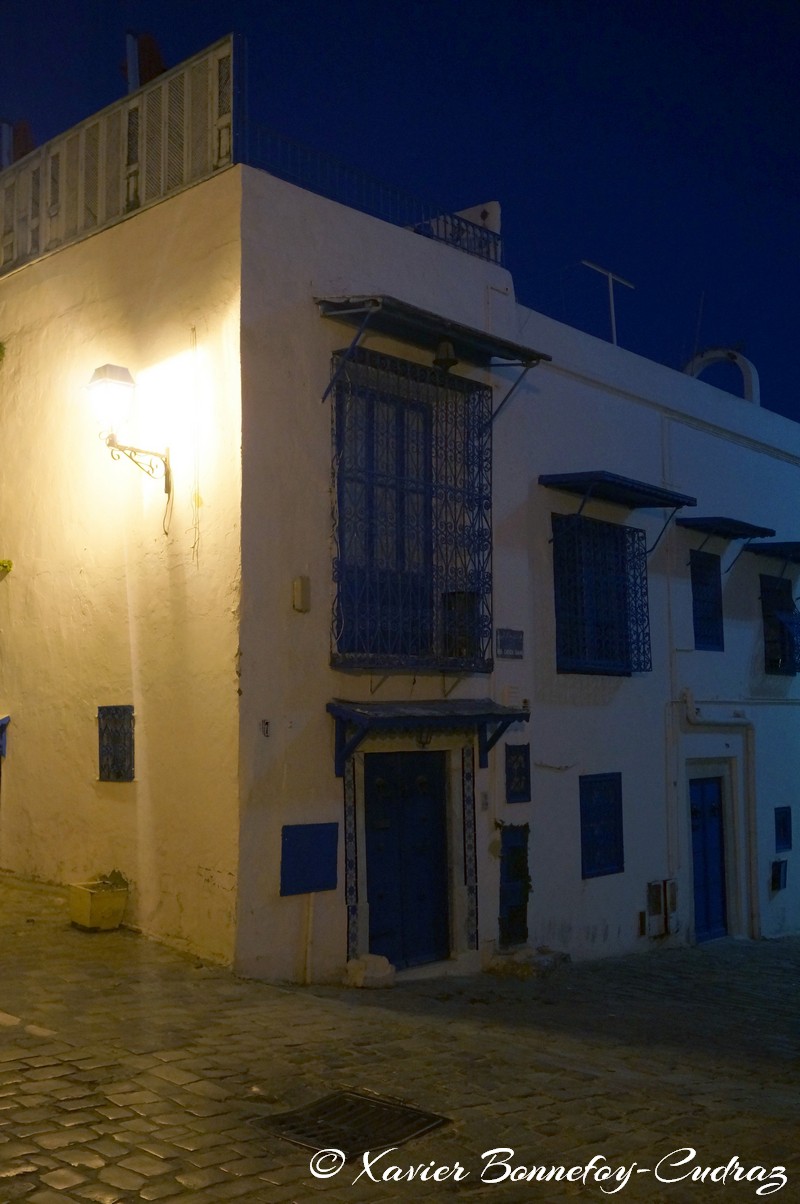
(406, 840)
(708, 856)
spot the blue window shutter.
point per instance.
(783, 829)
(601, 600)
(706, 601)
(601, 825)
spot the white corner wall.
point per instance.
(102, 607)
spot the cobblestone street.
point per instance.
(131, 1072)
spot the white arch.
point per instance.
(720, 355)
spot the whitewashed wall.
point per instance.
(599, 407)
(101, 607)
(296, 247)
(595, 407)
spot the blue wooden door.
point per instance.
(514, 884)
(406, 841)
(708, 857)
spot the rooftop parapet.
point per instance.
(173, 132)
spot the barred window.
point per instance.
(601, 604)
(601, 824)
(706, 601)
(781, 626)
(115, 731)
(412, 516)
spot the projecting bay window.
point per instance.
(412, 516)
(601, 604)
(781, 626)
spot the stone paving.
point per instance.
(131, 1072)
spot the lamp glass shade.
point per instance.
(111, 391)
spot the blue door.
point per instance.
(708, 857)
(406, 839)
(514, 884)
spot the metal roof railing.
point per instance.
(328, 176)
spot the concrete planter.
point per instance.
(97, 906)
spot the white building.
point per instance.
(437, 662)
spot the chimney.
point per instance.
(16, 141)
(143, 59)
(6, 144)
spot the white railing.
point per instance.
(169, 134)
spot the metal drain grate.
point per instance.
(353, 1122)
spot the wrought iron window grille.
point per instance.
(601, 600)
(518, 773)
(411, 516)
(115, 730)
(781, 626)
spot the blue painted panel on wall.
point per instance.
(308, 858)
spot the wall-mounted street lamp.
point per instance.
(111, 389)
(445, 357)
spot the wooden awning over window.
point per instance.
(399, 320)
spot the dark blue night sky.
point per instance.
(658, 138)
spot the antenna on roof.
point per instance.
(612, 278)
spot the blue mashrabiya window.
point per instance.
(412, 516)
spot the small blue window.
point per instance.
(115, 731)
(783, 829)
(518, 773)
(601, 604)
(601, 825)
(706, 601)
